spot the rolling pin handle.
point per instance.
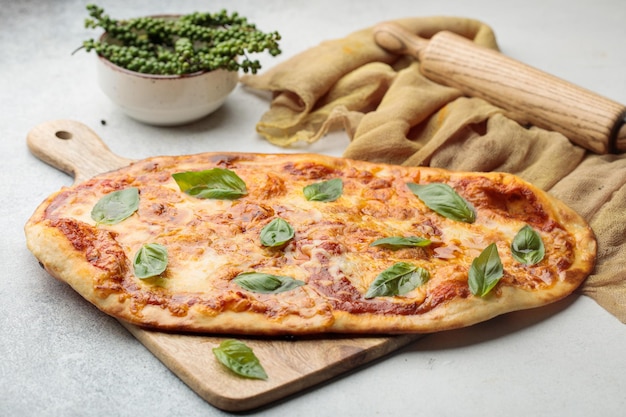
(526, 93)
(617, 142)
(396, 39)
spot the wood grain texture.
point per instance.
(73, 148)
(528, 95)
(292, 365)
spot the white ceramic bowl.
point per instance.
(165, 100)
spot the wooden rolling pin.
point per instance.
(528, 95)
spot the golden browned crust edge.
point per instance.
(67, 264)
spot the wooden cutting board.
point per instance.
(291, 364)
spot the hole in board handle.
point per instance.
(63, 134)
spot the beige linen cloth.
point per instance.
(394, 114)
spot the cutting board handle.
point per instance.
(293, 365)
(73, 148)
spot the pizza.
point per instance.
(295, 244)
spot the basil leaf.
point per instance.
(266, 283)
(276, 233)
(398, 279)
(398, 242)
(239, 358)
(325, 191)
(527, 246)
(116, 206)
(486, 271)
(444, 200)
(216, 183)
(150, 260)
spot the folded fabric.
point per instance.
(393, 114)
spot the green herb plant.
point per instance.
(150, 260)
(117, 206)
(276, 233)
(527, 246)
(399, 242)
(485, 271)
(398, 279)
(325, 191)
(215, 183)
(444, 200)
(263, 283)
(240, 359)
(177, 45)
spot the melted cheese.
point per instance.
(211, 241)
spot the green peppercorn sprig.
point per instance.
(182, 44)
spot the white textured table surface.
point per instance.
(59, 356)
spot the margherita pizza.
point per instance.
(263, 244)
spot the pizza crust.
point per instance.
(97, 262)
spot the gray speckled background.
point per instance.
(60, 356)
